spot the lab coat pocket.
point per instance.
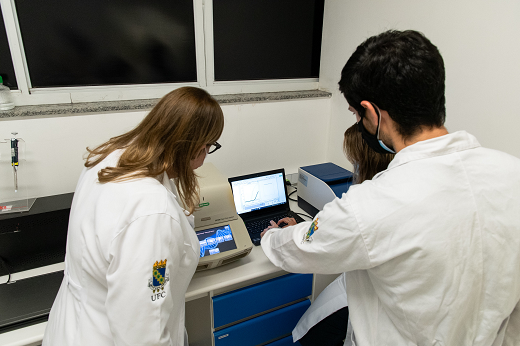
(65, 311)
(74, 288)
(74, 298)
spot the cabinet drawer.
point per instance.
(287, 341)
(261, 329)
(251, 300)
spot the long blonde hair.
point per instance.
(367, 161)
(167, 139)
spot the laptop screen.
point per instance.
(259, 192)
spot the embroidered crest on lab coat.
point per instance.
(159, 279)
(310, 232)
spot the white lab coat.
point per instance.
(430, 247)
(330, 300)
(117, 232)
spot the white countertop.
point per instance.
(248, 270)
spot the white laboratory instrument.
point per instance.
(320, 184)
(222, 234)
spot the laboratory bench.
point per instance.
(234, 304)
(225, 300)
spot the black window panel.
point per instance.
(267, 39)
(103, 42)
(6, 64)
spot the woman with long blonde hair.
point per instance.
(131, 248)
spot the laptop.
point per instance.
(260, 198)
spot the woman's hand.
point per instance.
(282, 223)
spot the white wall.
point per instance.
(480, 44)
(267, 136)
(256, 137)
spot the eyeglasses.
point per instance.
(211, 148)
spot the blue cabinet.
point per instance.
(264, 328)
(263, 312)
(287, 341)
(251, 300)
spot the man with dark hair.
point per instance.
(402, 73)
(430, 247)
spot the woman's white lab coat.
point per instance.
(430, 247)
(131, 253)
(330, 300)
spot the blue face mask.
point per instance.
(371, 140)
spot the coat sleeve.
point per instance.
(135, 318)
(331, 244)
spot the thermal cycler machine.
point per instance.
(222, 234)
(320, 184)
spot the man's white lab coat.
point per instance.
(430, 247)
(131, 253)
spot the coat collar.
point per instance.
(443, 145)
(168, 184)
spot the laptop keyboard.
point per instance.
(256, 227)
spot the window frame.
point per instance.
(204, 53)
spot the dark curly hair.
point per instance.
(401, 72)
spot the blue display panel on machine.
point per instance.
(216, 240)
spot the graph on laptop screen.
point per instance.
(257, 193)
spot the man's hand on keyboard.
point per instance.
(282, 223)
(286, 221)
